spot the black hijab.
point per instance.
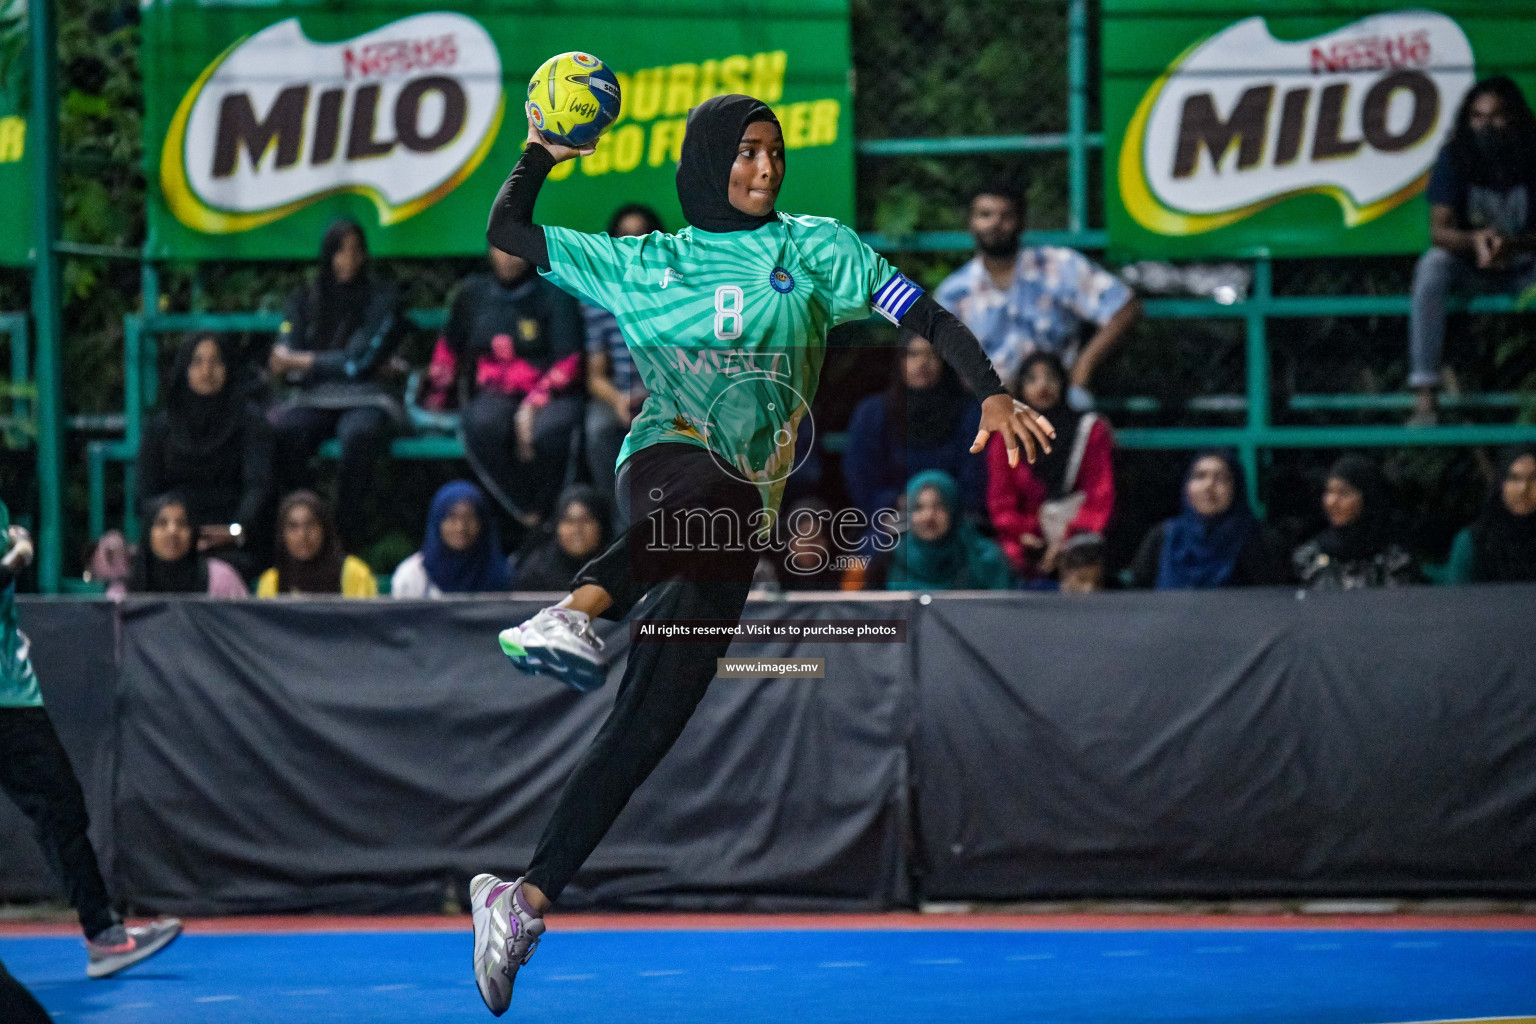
(714, 131)
(151, 575)
(1371, 532)
(321, 574)
(922, 417)
(548, 566)
(1050, 468)
(337, 309)
(1504, 543)
(202, 431)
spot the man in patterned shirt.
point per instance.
(1017, 300)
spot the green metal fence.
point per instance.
(1254, 435)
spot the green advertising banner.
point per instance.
(15, 167)
(266, 120)
(1289, 127)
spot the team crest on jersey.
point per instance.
(782, 280)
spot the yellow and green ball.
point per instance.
(573, 98)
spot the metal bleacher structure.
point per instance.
(18, 428)
(1254, 435)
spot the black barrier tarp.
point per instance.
(368, 755)
(352, 756)
(1228, 744)
(72, 650)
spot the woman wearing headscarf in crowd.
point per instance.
(580, 528)
(1216, 541)
(1360, 548)
(336, 346)
(213, 448)
(462, 550)
(168, 561)
(1069, 490)
(925, 419)
(1500, 546)
(940, 550)
(614, 389)
(512, 347)
(310, 558)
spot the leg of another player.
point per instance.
(17, 1005)
(37, 774)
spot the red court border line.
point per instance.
(849, 922)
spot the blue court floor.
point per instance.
(808, 977)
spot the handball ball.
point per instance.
(573, 98)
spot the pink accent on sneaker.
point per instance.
(523, 904)
(495, 893)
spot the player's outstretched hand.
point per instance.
(1017, 423)
(559, 152)
(19, 555)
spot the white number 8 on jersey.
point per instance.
(728, 312)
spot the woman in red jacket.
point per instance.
(1070, 490)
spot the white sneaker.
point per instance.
(558, 642)
(118, 947)
(506, 934)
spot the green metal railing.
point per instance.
(18, 426)
(1255, 434)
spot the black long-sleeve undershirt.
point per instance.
(955, 344)
(512, 230)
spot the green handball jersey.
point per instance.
(18, 683)
(729, 330)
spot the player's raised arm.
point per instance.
(958, 347)
(511, 228)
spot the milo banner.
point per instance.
(266, 120)
(1290, 127)
(15, 167)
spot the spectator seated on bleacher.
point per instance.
(940, 550)
(614, 389)
(1500, 546)
(511, 356)
(461, 553)
(213, 448)
(1360, 548)
(805, 555)
(1482, 222)
(1216, 541)
(337, 348)
(1083, 564)
(1067, 491)
(1017, 301)
(578, 530)
(309, 557)
(925, 419)
(168, 561)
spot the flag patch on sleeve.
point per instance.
(895, 297)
